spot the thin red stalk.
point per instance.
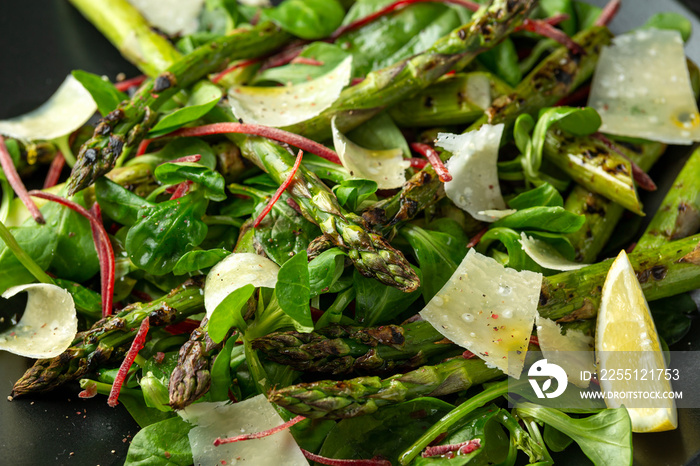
(283, 187)
(434, 159)
(283, 57)
(545, 29)
(552, 21)
(468, 355)
(336, 462)
(640, 176)
(418, 163)
(475, 240)
(143, 145)
(55, 169)
(265, 433)
(462, 448)
(534, 340)
(241, 64)
(307, 145)
(306, 61)
(141, 295)
(356, 81)
(608, 13)
(393, 7)
(125, 85)
(136, 346)
(186, 326)
(181, 190)
(186, 159)
(105, 253)
(89, 392)
(8, 166)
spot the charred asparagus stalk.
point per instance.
(364, 395)
(343, 350)
(98, 345)
(679, 214)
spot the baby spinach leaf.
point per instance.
(555, 440)
(673, 316)
(120, 204)
(393, 38)
(327, 56)
(203, 98)
(198, 260)
(351, 193)
(293, 291)
(387, 432)
(605, 438)
(517, 259)
(75, 257)
(380, 133)
(502, 60)
(325, 270)
(157, 241)
(586, 14)
(211, 180)
(308, 19)
(326, 170)
(543, 195)
(439, 254)
(39, 242)
(228, 313)
(555, 219)
(376, 303)
(87, 302)
(284, 232)
(221, 372)
(105, 95)
(672, 21)
(150, 444)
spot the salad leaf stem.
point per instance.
(12, 177)
(22, 256)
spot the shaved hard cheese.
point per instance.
(546, 255)
(641, 88)
(222, 419)
(235, 271)
(474, 186)
(287, 105)
(66, 110)
(488, 309)
(48, 325)
(386, 167)
(171, 16)
(572, 352)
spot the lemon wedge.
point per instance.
(629, 352)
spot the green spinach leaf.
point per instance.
(308, 19)
(228, 313)
(325, 270)
(210, 180)
(543, 195)
(203, 98)
(351, 193)
(294, 292)
(120, 204)
(105, 95)
(157, 241)
(39, 242)
(376, 303)
(150, 445)
(327, 56)
(193, 261)
(554, 219)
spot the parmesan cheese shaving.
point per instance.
(171, 16)
(66, 110)
(641, 88)
(572, 352)
(474, 186)
(235, 271)
(48, 325)
(386, 167)
(222, 419)
(287, 105)
(488, 309)
(546, 255)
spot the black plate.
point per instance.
(42, 41)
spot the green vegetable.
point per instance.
(150, 444)
(308, 19)
(293, 291)
(105, 95)
(202, 99)
(228, 313)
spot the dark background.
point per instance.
(41, 41)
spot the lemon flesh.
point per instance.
(627, 342)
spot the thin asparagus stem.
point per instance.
(102, 342)
(679, 214)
